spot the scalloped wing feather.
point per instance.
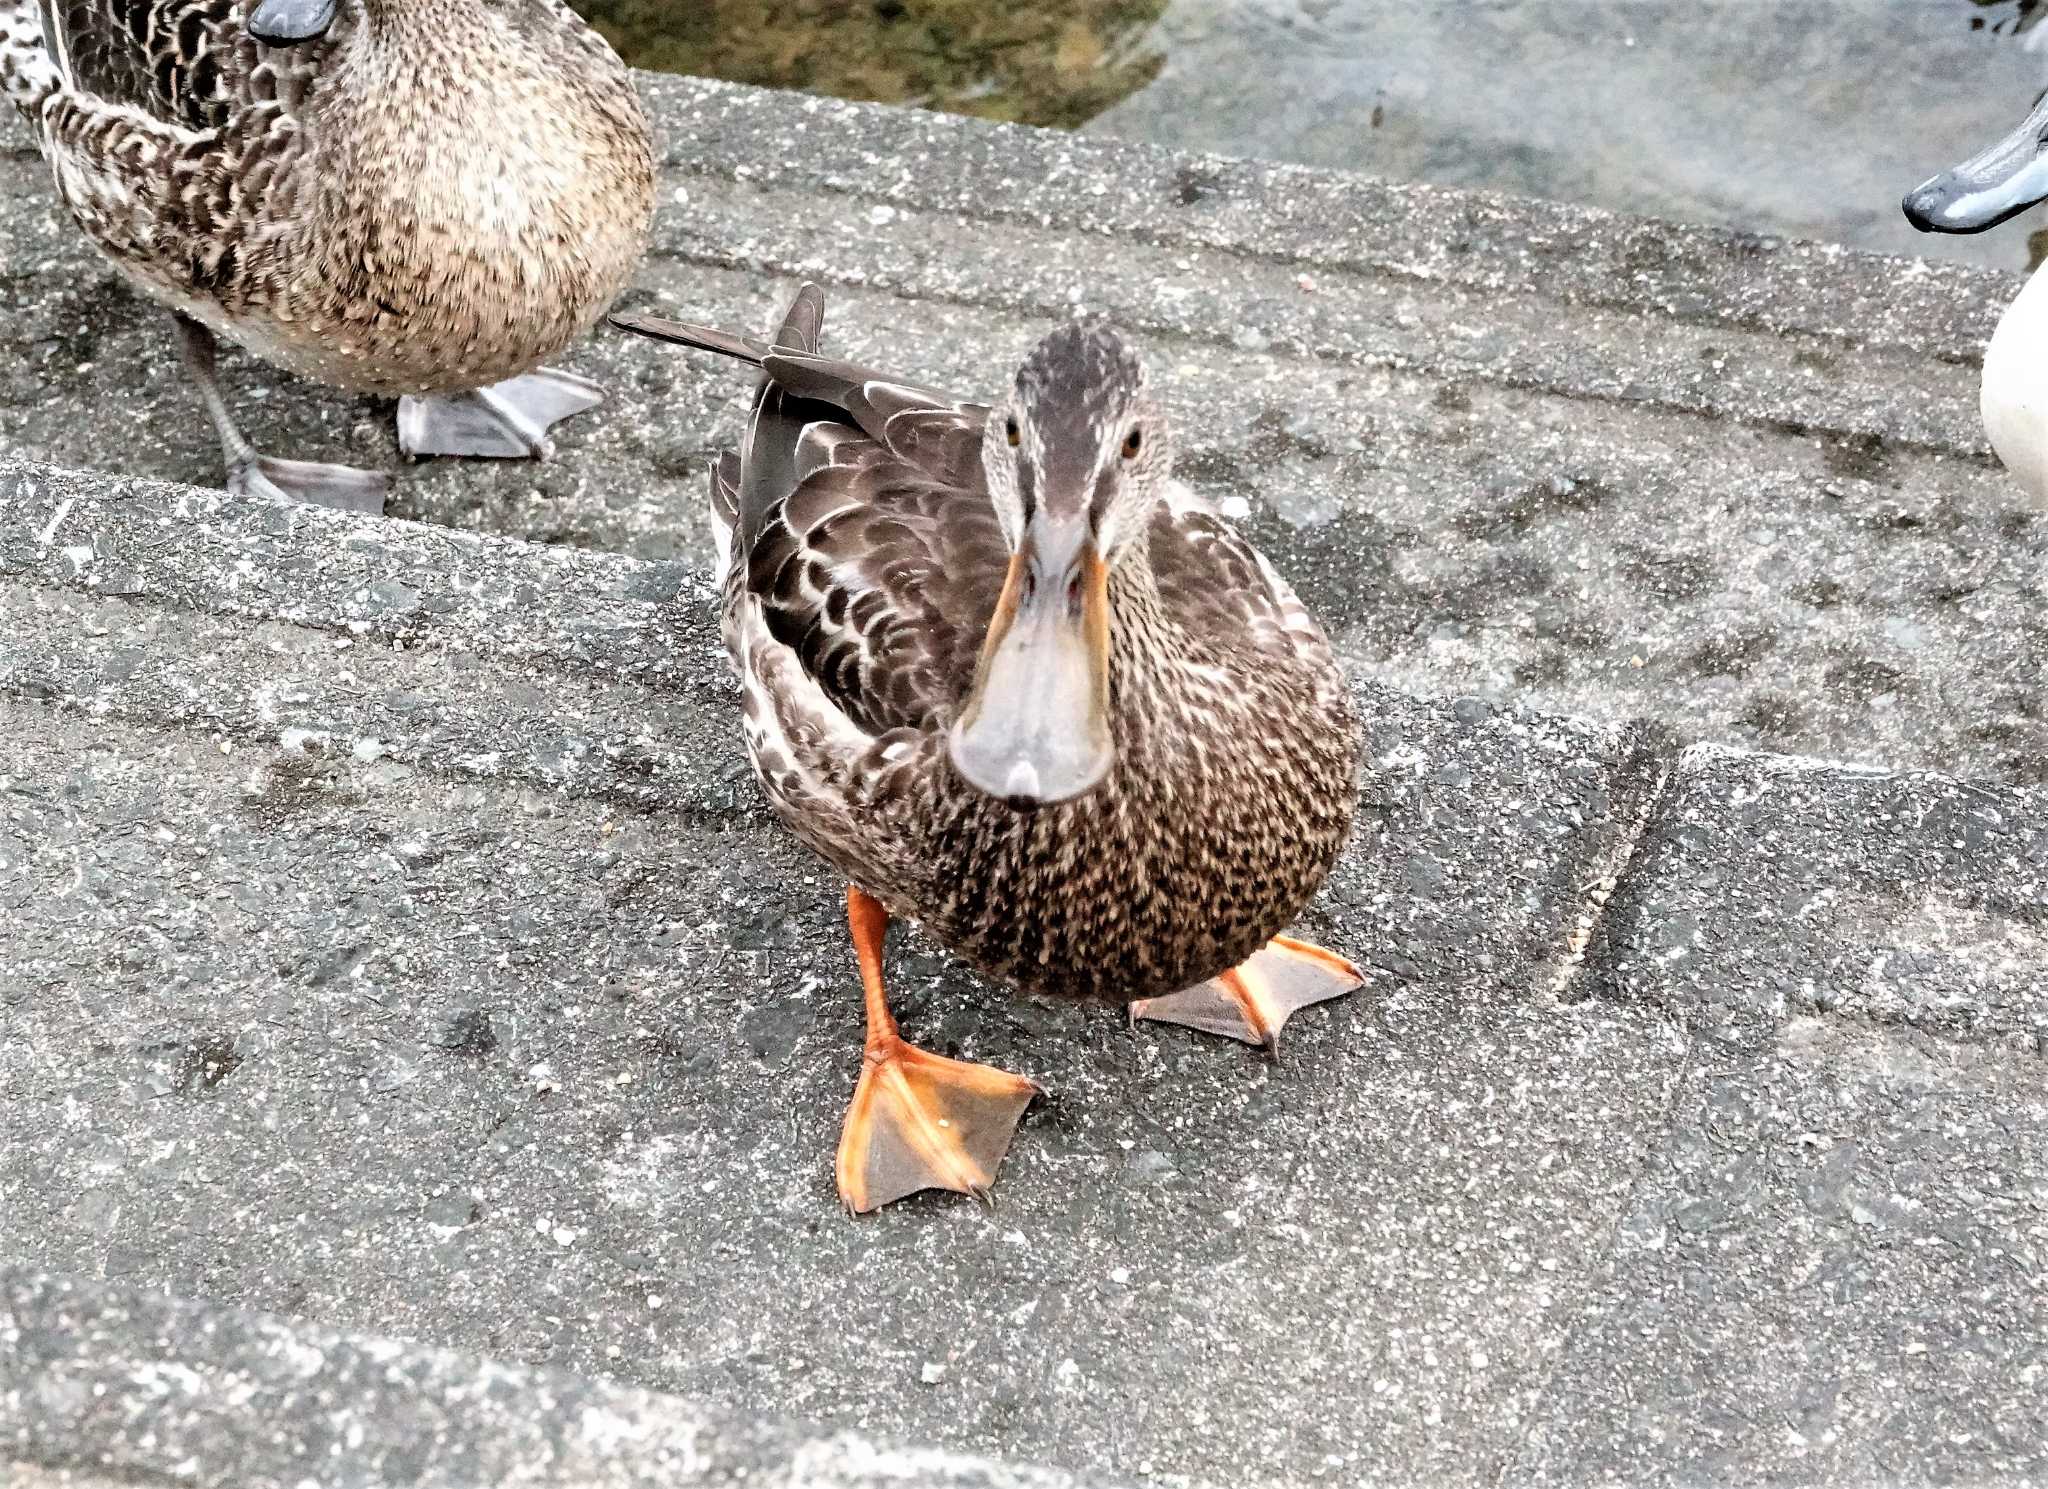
(182, 62)
(1216, 583)
(880, 582)
(170, 137)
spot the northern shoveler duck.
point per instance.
(1982, 192)
(423, 199)
(1021, 686)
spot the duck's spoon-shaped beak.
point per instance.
(289, 23)
(1035, 728)
(1989, 187)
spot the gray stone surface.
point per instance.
(1832, 1270)
(1523, 450)
(394, 939)
(429, 968)
(145, 1390)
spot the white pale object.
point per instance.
(2014, 398)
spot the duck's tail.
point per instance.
(802, 324)
(745, 484)
(28, 71)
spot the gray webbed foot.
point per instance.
(250, 474)
(341, 487)
(506, 421)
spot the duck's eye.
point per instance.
(1011, 433)
(1133, 442)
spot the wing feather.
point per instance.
(1223, 590)
(881, 582)
(180, 62)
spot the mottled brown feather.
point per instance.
(325, 204)
(856, 616)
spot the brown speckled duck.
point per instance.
(1021, 686)
(423, 199)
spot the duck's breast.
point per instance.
(2014, 395)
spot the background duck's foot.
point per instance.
(1253, 1000)
(506, 421)
(251, 474)
(342, 487)
(922, 1121)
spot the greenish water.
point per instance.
(1059, 63)
(1808, 117)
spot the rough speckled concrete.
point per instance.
(1833, 1269)
(397, 943)
(1514, 449)
(587, 1121)
(395, 940)
(157, 1392)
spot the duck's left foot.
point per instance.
(1254, 999)
(506, 421)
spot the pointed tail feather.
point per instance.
(745, 487)
(802, 324)
(683, 333)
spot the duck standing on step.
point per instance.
(1020, 685)
(1982, 192)
(420, 199)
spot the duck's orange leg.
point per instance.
(1254, 999)
(918, 1120)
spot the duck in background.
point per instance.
(1020, 685)
(420, 199)
(1982, 192)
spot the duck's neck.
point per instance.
(1149, 661)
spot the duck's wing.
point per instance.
(1225, 592)
(860, 529)
(876, 562)
(172, 139)
(186, 63)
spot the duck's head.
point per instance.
(1077, 457)
(1989, 187)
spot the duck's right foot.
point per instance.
(918, 1120)
(921, 1121)
(341, 487)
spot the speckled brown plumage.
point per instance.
(866, 559)
(434, 196)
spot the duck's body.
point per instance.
(1990, 188)
(1231, 789)
(2013, 396)
(423, 198)
(1036, 696)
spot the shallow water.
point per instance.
(1774, 115)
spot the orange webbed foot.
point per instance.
(918, 1120)
(921, 1121)
(1253, 1000)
